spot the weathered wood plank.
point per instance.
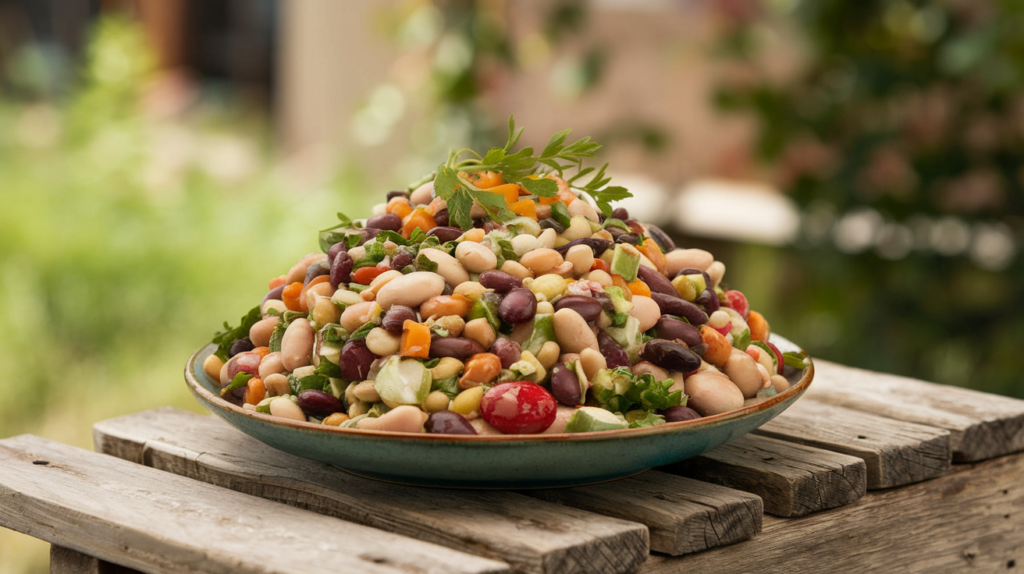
(967, 521)
(67, 561)
(981, 425)
(792, 479)
(896, 452)
(533, 536)
(683, 515)
(158, 522)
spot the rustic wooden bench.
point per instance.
(856, 476)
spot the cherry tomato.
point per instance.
(738, 301)
(364, 275)
(519, 407)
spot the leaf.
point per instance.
(560, 213)
(648, 420)
(224, 339)
(423, 263)
(795, 360)
(446, 182)
(555, 144)
(494, 156)
(449, 386)
(361, 333)
(459, 206)
(309, 382)
(240, 380)
(513, 135)
(540, 187)
(493, 203)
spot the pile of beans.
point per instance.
(408, 324)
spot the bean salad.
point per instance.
(500, 296)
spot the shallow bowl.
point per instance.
(505, 461)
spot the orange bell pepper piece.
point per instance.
(364, 275)
(290, 296)
(483, 179)
(420, 218)
(638, 287)
(415, 340)
(526, 208)
(759, 329)
(400, 206)
(651, 250)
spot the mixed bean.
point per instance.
(538, 324)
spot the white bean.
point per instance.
(581, 257)
(382, 343)
(476, 258)
(679, 259)
(284, 407)
(572, 331)
(411, 290)
(741, 369)
(447, 267)
(646, 311)
(405, 418)
(541, 261)
(716, 271)
(712, 393)
(270, 364)
(357, 315)
(297, 345)
(422, 194)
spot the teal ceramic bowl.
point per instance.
(521, 461)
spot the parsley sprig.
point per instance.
(526, 169)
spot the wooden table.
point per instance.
(857, 476)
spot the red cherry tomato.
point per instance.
(519, 407)
(778, 356)
(364, 275)
(738, 302)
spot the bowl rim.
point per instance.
(213, 400)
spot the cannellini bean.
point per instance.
(475, 257)
(516, 269)
(382, 343)
(297, 345)
(646, 311)
(270, 364)
(454, 324)
(346, 297)
(541, 261)
(581, 207)
(547, 238)
(366, 391)
(545, 308)
(404, 418)
(422, 194)
(324, 312)
(548, 286)
(446, 368)
(572, 331)
(284, 407)
(480, 331)
(780, 383)
(646, 367)
(447, 266)
(471, 290)
(445, 305)
(276, 384)
(679, 259)
(357, 315)
(411, 290)
(579, 227)
(275, 304)
(716, 271)
(581, 257)
(298, 271)
(741, 369)
(592, 361)
(523, 244)
(712, 393)
(547, 356)
(600, 277)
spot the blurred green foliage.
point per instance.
(911, 113)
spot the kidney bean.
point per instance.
(670, 328)
(614, 354)
(670, 356)
(445, 234)
(709, 299)
(680, 308)
(507, 350)
(500, 281)
(700, 349)
(401, 260)
(242, 363)
(565, 385)
(319, 404)
(385, 221)
(441, 217)
(274, 293)
(460, 348)
(448, 422)
(661, 238)
(341, 270)
(355, 360)
(491, 225)
(518, 306)
(677, 414)
(630, 238)
(620, 213)
(596, 243)
(395, 317)
(241, 346)
(657, 281)
(335, 250)
(317, 269)
(588, 307)
(605, 300)
(616, 232)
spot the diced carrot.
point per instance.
(754, 353)
(255, 391)
(261, 351)
(650, 249)
(526, 208)
(484, 179)
(638, 287)
(400, 206)
(290, 296)
(419, 218)
(276, 282)
(415, 340)
(364, 275)
(509, 190)
(303, 306)
(601, 264)
(759, 329)
(620, 282)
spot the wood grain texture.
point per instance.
(981, 426)
(533, 536)
(970, 520)
(161, 523)
(895, 452)
(683, 515)
(67, 561)
(792, 479)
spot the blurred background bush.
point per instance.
(857, 166)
